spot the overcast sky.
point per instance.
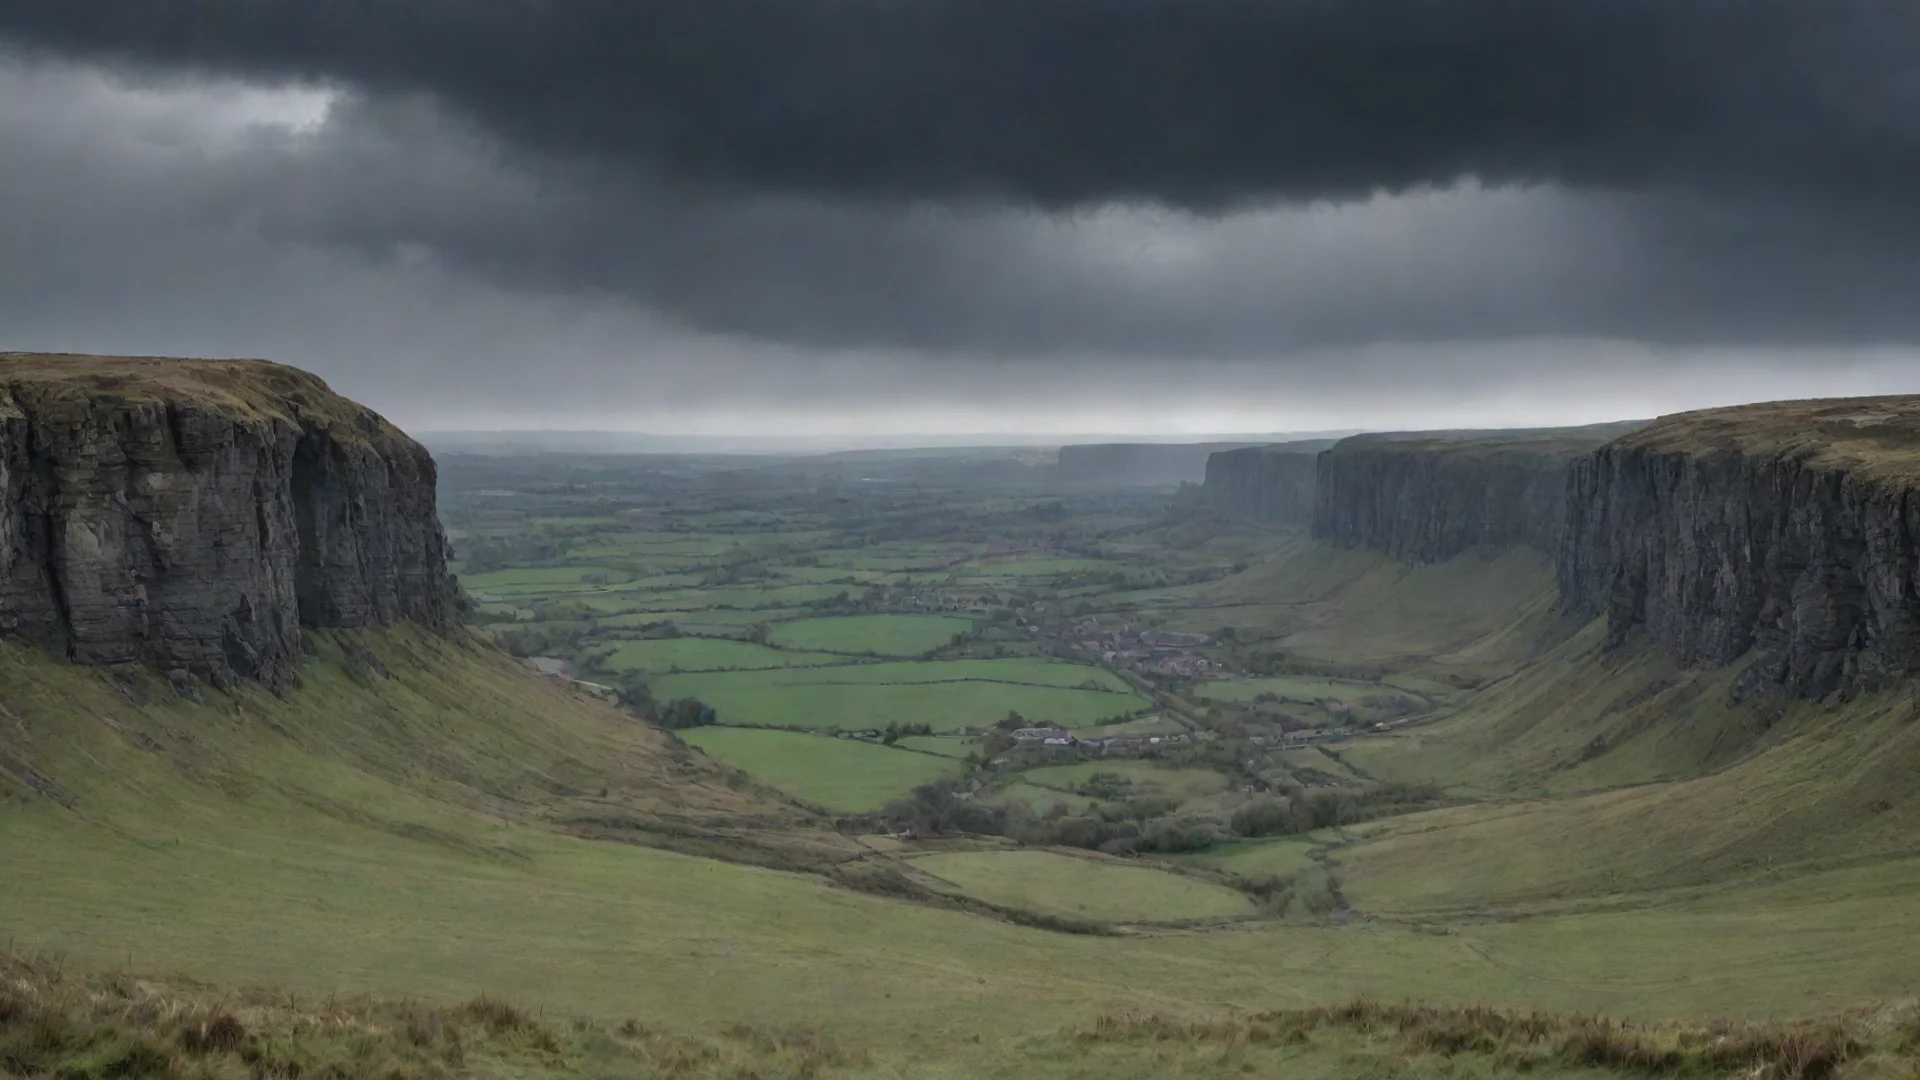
(947, 216)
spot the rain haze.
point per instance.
(970, 218)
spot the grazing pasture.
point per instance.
(944, 745)
(849, 699)
(884, 635)
(843, 775)
(1283, 856)
(707, 654)
(1050, 883)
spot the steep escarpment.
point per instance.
(1788, 531)
(1139, 464)
(1268, 484)
(198, 514)
(1425, 497)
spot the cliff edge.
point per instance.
(196, 514)
(1425, 497)
(1269, 484)
(1790, 530)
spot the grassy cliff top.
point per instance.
(1304, 447)
(243, 389)
(1879, 436)
(1540, 442)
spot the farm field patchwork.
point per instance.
(845, 775)
(801, 698)
(707, 654)
(885, 635)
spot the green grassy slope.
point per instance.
(55, 1023)
(436, 834)
(1477, 615)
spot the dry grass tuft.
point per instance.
(53, 1024)
(1522, 1042)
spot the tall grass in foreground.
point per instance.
(55, 1024)
(1884, 1041)
(115, 1027)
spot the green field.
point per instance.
(1107, 891)
(749, 698)
(707, 654)
(945, 694)
(882, 635)
(1035, 567)
(1281, 857)
(538, 580)
(845, 775)
(944, 745)
(1021, 672)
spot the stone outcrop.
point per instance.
(1267, 484)
(1425, 497)
(1788, 531)
(196, 515)
(1138, 464)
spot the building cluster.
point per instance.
(1045, 736)
(1153, 652)
(1052, 736)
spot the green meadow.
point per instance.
(664, 655)
(882, 635)
(1088, 888)
(780, 699)
(843, 775)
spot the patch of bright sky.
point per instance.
(1382, 390)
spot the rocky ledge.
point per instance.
(197, 514)
(1269, 484)
(1790, 531)
(1137, 464)
(1425, 497)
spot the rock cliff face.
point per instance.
(198, 514)
(1141, 464)
(1268, 484)
(1790, 531)
(1425, 497)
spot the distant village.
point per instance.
(1127, 647)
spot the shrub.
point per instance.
(686, 713)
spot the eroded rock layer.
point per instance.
(1425, 497)
(1788, 530)
(1268, 484)
(197, 514)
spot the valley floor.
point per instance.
(425, 821)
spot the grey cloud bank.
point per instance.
(1084, 216)
(1191, 102)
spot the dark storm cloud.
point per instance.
(391, 214)
(1194, 103)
